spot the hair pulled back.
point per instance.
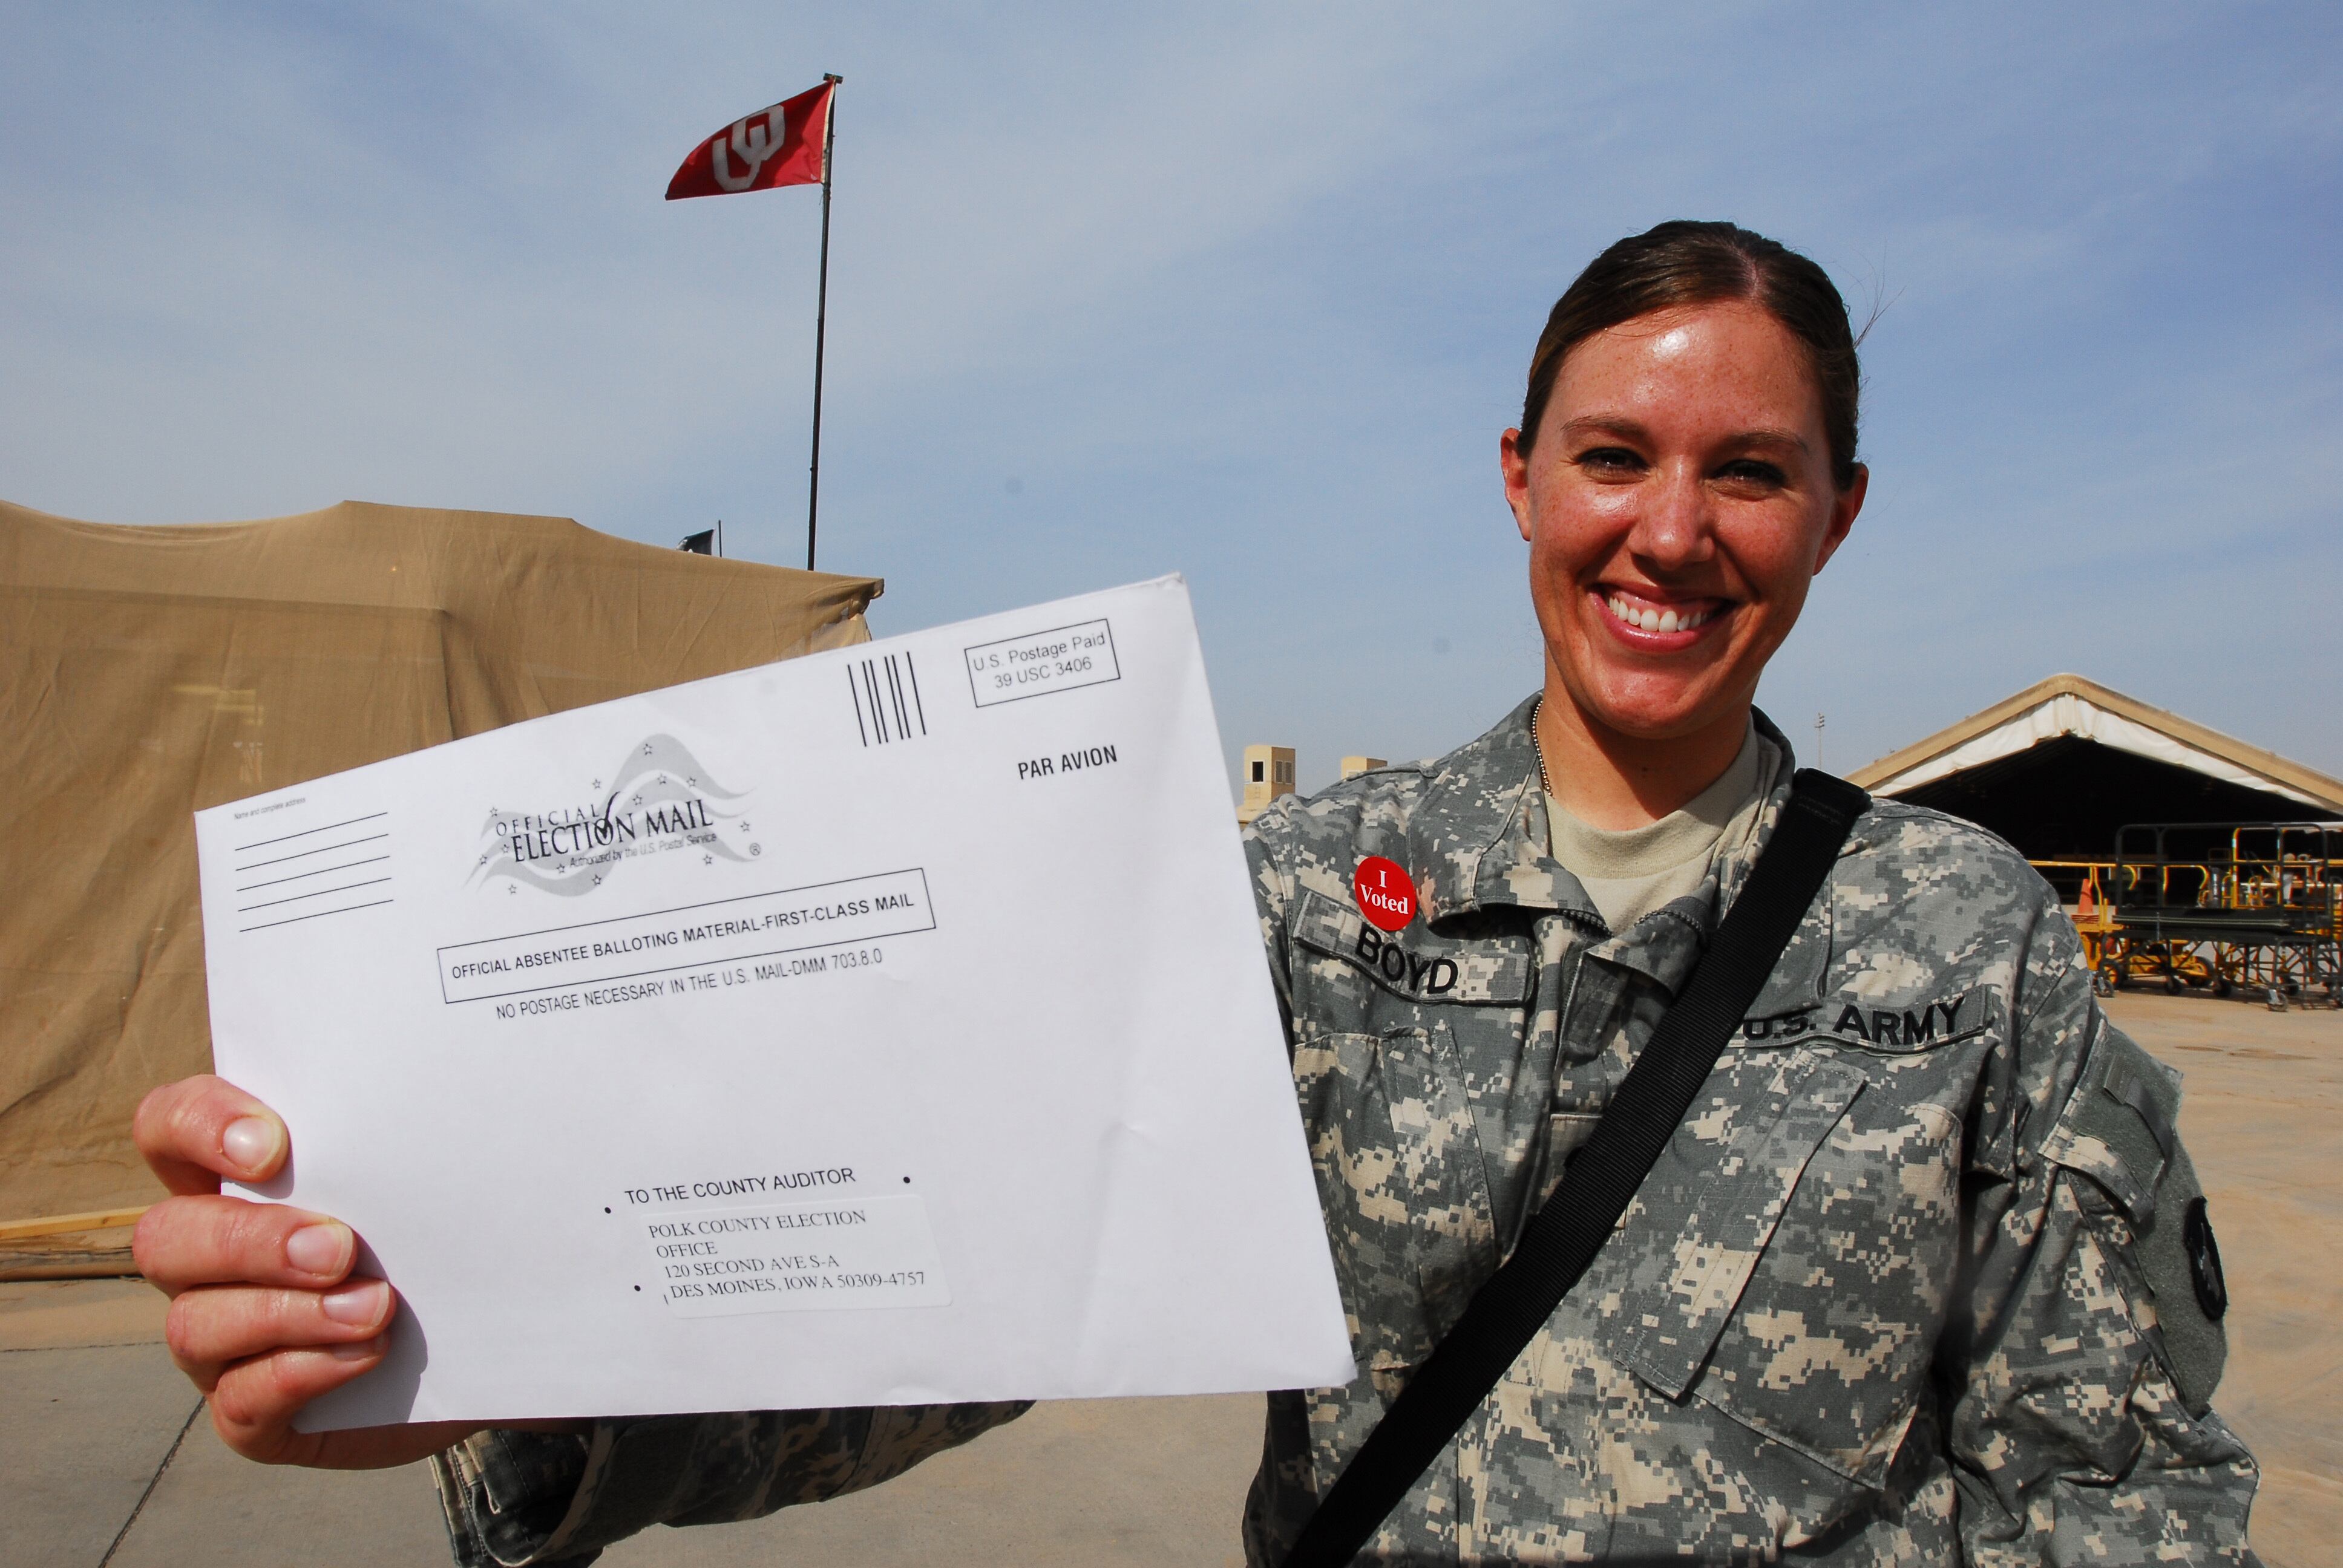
(1682, 263)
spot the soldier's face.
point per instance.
(1677, 501)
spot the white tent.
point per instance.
(2059, 767)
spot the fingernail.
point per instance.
(249, 1143)
(356, 1352)
(318, 1249)
(358, 1303)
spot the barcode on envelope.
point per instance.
(887, 705)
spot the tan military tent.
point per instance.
(145, 673)
(2059, 768)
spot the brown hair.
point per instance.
(1683, 263)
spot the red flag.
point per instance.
(782, 146)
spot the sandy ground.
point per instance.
(105, 1461)
(2263, 1119)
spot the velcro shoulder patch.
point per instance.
(2118, 1124)
(2120, 1128)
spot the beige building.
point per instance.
(1268, 773)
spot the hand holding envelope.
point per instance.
(889, 1026)
(266, 1313)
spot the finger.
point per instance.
(198, 1130)
(253, 1401)
(211, 1326)
(215, 1241)
(363, 1447)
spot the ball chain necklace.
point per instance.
(1538, 747)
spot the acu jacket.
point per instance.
(1925, 1277)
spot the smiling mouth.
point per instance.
(1636, 614)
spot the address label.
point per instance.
(797, 1257)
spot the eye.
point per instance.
(1755, 472)
(1610, 460)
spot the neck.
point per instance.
(1615, 781)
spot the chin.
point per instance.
(1655, 726)
(1645, 708)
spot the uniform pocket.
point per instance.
(1827, 1349)
(1716, 1196)
(1403, 1185)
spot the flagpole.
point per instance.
(820, 313)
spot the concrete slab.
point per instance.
(86, 1430)
(214, 1510)
(2263, 1117)
(1074, 1485)
(1090, 1483)
(59, 1314)
(94, 1404)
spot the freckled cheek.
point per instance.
(1779, 583)
(1563, 580)
(1768, 563)
(1581, 535)
(1772, 546)
(1763, 624)
(1559, 597)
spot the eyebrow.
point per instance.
(1636, 430)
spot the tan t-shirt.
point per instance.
(1632, 871)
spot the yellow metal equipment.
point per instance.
(2220, 906)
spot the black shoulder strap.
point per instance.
(1562, 1238)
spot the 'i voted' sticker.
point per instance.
(1386, 897)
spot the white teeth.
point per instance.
(1658, 620)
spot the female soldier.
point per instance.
(1923, 1278)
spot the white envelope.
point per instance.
(886, 1026)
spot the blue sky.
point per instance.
(1244, 293)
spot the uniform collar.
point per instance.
(1478, 840)
(1478, 836)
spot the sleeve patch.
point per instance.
(2117, 1126)
(2204, 1262)
(2119, 1131)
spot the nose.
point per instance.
(1675, 527)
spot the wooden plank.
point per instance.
(115, 1264)
(59, 1225)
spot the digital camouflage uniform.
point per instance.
(1922, 1278)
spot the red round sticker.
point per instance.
(1386, 897)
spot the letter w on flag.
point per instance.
(781, 146)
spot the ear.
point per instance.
(1843, 507)
(1515, 466)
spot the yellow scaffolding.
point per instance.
(2255, 906)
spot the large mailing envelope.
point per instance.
(886, 1026)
